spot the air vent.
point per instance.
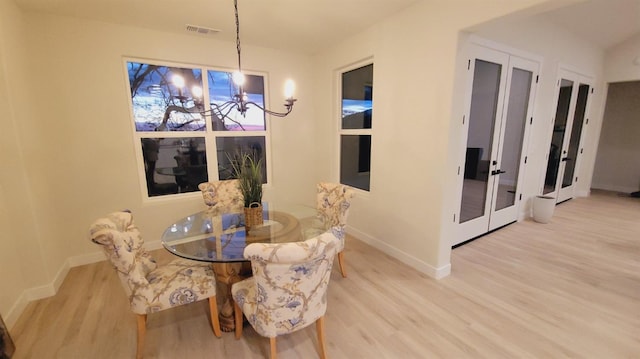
(201, 30)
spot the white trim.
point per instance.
(16, 310)
(475, 39)
(338, 72)
(153, 245)
(50, 289)
(408, 259)
(89, 258)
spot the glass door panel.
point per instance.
(557, 138)
(484, 106)
(576, 132)
(516, 121)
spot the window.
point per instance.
(181, 141)
(355, 127)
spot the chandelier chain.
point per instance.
(235, 5)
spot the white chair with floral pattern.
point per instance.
(288, 290)
(222, 193)
(333, 202)
(152, 288)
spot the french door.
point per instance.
(568, 126)
(496, 130)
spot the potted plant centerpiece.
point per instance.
(248, 169)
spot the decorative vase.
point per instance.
(543, 207)
(253, 215)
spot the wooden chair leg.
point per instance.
(341, 263)
(215, 321)
(321, 341)
(272, 342)
(142, 327)
(238, 319)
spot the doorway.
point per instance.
(496, 128)
(568, 127)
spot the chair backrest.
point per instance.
(292, 281)
(333, 202)
(222, 193)
(121, 241)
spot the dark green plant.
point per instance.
(248, 170)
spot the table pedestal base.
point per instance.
(226, 275)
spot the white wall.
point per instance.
(414, 55)
(74, 153)
(78, 154)
(21, 257)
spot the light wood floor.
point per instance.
(570, 288)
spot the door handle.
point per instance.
(566, 159)
(497, 172)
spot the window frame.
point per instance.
(209, 135)
(353, 132)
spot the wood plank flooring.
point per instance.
(569, 288)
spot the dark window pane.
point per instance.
(222, 89)
(357, 95)
(158, 104)
(174, 165)
(482, 115)
(516, 122)
(230, 147)
(576, 132)
(557, 139)
(355, 160)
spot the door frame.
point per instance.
(502, 217)
(578, 78)
(487, 51)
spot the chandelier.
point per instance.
(239, 101)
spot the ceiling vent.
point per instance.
(201, 30)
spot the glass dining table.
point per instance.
(219, 236)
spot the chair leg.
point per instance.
(142, 327)
(341, 263)
(238, 319)
(215, 321)
(272, 342)
(321, 341)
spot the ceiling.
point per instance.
(311, 25)
(603, 22)
(296, 25)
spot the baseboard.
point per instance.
(49, 290)
(15, 311)
(614, 188)
(81, 260)
(153, 245)
(433, 272)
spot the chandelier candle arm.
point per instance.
(239, 101)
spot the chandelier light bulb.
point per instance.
(178, 81)
(196, 91)
(238, 78)
(289, 87)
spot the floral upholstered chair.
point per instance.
(222, 193)
(152, 288)
(288, 290)
(333, 202)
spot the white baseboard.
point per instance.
(615, 188)
(16, 310)
(48, 290)
(153, 245)
(89, 258)
(431, 271)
